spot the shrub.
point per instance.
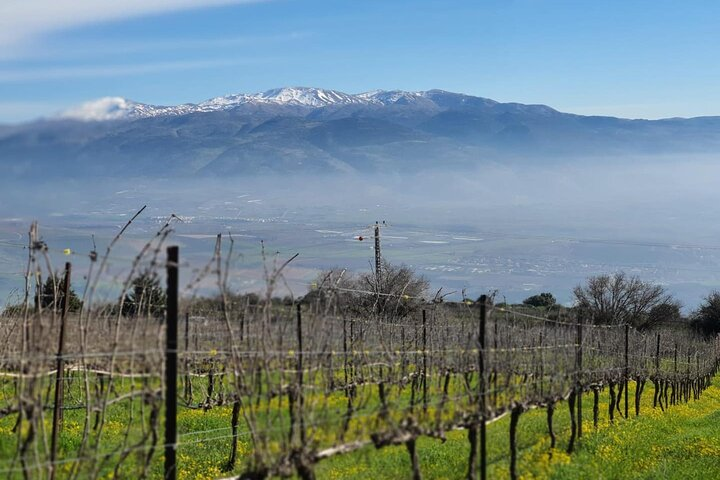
(706, 319)
(541, 300)
(397, 293)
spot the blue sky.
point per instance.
(629, 58)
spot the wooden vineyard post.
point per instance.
(403, 354)
(299, 366)
(352, 369)
(378, 259)
(573, 420)
(188, 379)
(596, 406)
(171, 338)
(673, 395)
(60, 374)
(481, 387)
(234, 429)
(542, 365)
(627, 366)
(579, 374)
(345, 355)
(424, 359)
(657, 372)
(697, 373)
(494, 373)
(688, 381)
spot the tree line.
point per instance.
(613, 299)
(607, 299)
(397, 292)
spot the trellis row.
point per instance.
(308, 382)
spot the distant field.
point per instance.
(518, 262)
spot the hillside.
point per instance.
(313, 130)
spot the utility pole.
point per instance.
(378, 257)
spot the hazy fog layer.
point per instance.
(520, 230)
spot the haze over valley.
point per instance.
(519, 229)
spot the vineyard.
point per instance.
(125, 386)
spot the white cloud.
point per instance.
(62, 73)
(76, 51)
(22, 22)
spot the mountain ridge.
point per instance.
(314, 131)
(120, 108)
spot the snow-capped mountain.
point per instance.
(391, 97)
(295, 96)
(313, 130)
(118, 108)
(311, 97)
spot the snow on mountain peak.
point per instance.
(389, 97)
(312, 97)
(117, 108)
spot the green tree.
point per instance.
(145, 297)
(541, 300)
(52, 295)
(706, 319)
(664, 314)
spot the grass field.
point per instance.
(683, 442)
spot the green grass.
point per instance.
(681, 443)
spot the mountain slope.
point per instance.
(312, 130)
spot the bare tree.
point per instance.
(619, 298)
(401, 291)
